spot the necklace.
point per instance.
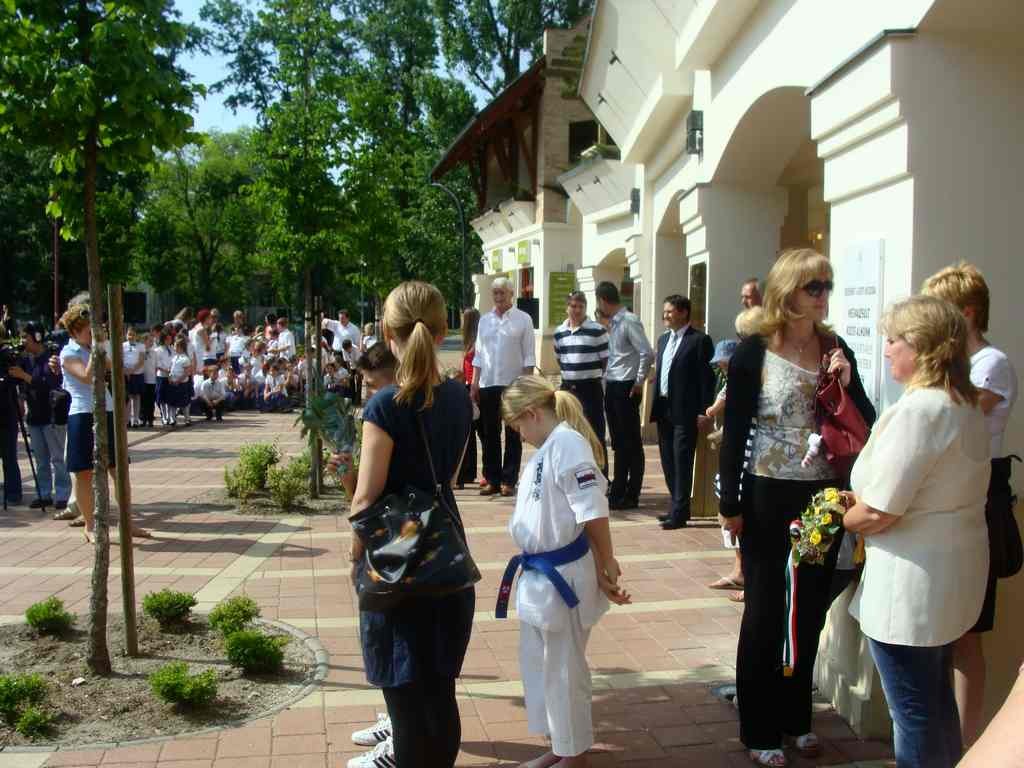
(799, 348)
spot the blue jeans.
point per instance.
(47, 442)
(918, 685)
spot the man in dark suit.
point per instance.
(684, 388)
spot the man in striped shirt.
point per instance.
(581, 347)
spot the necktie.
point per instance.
(666, 363)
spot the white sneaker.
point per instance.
(375, 734)
(382, 756)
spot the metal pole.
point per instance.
(115, 316)
(462, 225)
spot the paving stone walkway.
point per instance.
(654, 662)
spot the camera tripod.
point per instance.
(16, 413)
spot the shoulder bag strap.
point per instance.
(438, 488)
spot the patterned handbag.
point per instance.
(415, 546)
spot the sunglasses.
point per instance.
(816, 288)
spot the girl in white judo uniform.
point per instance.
(568, 570)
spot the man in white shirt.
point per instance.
(504, 351)
(342, 331)
(285, 339)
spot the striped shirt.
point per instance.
(581, 351)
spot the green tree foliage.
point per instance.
(199, 234)
(490, 41)
(95, 86)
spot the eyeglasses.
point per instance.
(816, 288)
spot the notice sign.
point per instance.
(496, 260)
(560, 285)
(862, 310)
(523, 252)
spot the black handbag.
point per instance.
(1005, 549)
(414, 546)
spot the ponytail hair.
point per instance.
(415, 315)
(537, 392)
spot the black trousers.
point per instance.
(677, 445)
(772, 705)
(212, 410)
(148, 401)
(623, 412)
(425, 723)
(590, 393)
(498, 469)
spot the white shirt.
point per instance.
(149, 365)
(204, 349)
(369, 341)
(561, 488)
(236, 344)
(992, 370)
(163, 357)
(276, 382)
(286, 344)
(504, 347)
(131, 355)
(81, 392)
(927, 460)
(179, 364)
(212, 389)
(349, 331)
(217, 342)
(672, 345)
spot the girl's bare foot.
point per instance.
(88, 536)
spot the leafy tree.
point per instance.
(199, 232)
(488, 40)
(95, 85)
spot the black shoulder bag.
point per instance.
(1005, 549)
(415, 546)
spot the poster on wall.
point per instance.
(523, 252)
(560, 285)
(862, 273)
(496, 260)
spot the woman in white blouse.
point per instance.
(919, 492)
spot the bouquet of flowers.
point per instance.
(815, 530)
(332, 418)
(812, 534)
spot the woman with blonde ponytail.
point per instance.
(569, 572)
(415, 651)
(919, 488)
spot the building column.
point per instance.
(734, 232)
(482, 288)
(587, 279)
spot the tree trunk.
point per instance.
(98, 657)
(312, 353)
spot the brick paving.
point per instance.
(654, 662)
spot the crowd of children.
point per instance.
(186, 368)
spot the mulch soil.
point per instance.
(121, 706)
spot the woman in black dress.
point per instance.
(415, 652)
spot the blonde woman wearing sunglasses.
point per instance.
(773, 378)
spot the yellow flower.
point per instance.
(831, 495)
(826, 519)
(815, 537)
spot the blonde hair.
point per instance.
(748, 322)
(75, 318)
(414, 315)
(937, 332)
(793, 270)
(964, 286)
(537, 392)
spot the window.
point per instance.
(582, 135)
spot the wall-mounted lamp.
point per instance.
(597, 180)
(634, 200)
(601, 99)
(613, 59)
(695, 132)
(579, 188)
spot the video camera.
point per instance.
(11, 353)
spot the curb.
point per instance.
(312, 644)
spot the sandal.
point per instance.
(807, 745)
(726, 582)
(77, 523)
(65, 514)
(768, 758)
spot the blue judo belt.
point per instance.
(546, 563)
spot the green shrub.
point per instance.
(233, 615)
(49, 617)
(286, 486)
(18, 692)
(167, 606)
(34, 723)
(238, 484)
(255, 460)
(254, 651)
(172, 683)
